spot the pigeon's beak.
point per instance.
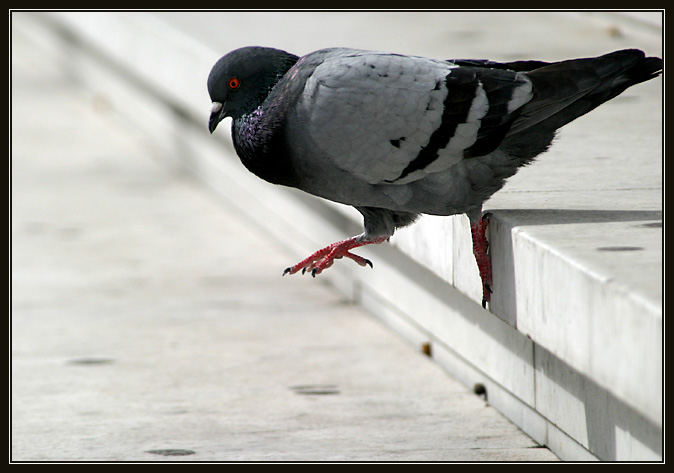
(217, 114)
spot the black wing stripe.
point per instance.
(462, 85)
(500, 86)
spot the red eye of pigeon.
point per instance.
(233, 83)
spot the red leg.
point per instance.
(481, 251)
(325, 257)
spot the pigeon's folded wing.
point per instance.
(387, 118)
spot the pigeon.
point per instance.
(397, 136)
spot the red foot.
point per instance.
(481, 252)
(324, 258)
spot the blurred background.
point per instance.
(143, 251)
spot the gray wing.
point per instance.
(387, 118)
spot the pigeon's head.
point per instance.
(241, 80)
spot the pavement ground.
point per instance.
(149, 322)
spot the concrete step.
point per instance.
(571, 346)
(148, 326)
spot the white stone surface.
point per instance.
(599, 187)
(148, 325)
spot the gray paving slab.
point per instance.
(147, 325)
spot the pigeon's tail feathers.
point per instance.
(620, 70)
(566, 90)
(638, 68)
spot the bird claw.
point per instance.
(486, 292)
(325, 257)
